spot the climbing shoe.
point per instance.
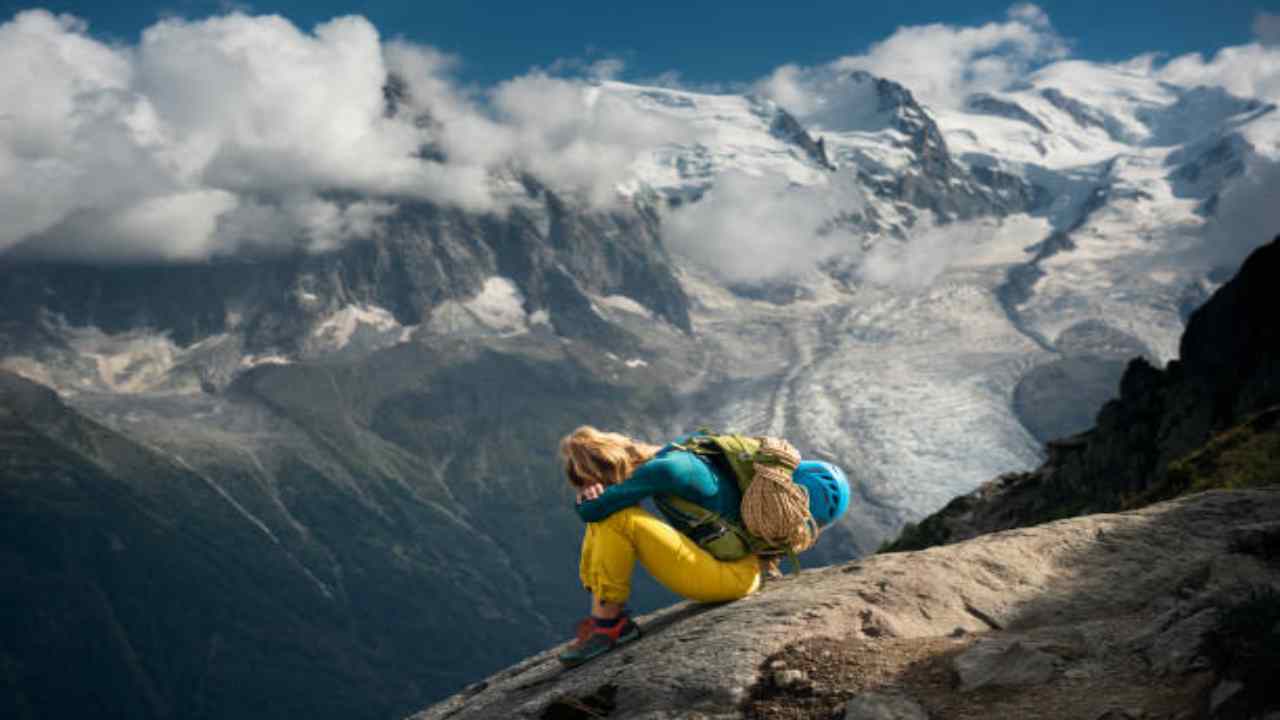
(595, 639)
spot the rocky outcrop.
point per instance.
(1084, 115)
(787, 128)
(987, 104)
(1109, 613)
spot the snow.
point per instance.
(251, 361)
(336, 331)
(130, 362)
(624, 304)
(498, 309)
(727, 132)
(499, 305)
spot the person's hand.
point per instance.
(589, 492)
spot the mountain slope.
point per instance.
(131, 586)
(394, 574)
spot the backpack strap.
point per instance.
(724, 539)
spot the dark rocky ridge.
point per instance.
(1085, 115)
(991, 105)
(789, 129)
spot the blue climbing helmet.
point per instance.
(828, 489)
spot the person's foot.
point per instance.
(597, 637)
(770, 568)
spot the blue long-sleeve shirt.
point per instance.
(670, 472)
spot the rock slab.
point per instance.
(882, 706)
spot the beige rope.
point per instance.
(774, 508)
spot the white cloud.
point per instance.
(748, 228)
(1030, 14)
(571, 134)
(1247, 217)
(598, 70)
(940, 64)
(915, 263)
(825, 97)
(212, 134)
(175, 227)
(1251, 70)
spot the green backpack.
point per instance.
(723, 538)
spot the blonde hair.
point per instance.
(592, 456)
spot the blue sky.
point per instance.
(705, 42)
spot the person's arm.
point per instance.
(676, 473)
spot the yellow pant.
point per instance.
(611, 547)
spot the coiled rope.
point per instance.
(774, 508)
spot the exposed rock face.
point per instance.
(785, 126)
(883, 706)
(1083, 114)
(1004, 664)
(935, 180)
(991, 105)
(1062, 609)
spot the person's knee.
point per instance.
(623, 520)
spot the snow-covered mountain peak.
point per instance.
(1074, 113)
(743, 133)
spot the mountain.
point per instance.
(375, 425)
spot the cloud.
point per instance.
(598, 70)
(1029, 14)
(1247, 216)
(914, 263)
(572, 134)
(1266, 26)
(940, 64)
(750, 229)
(211, 135)
(1251, 70)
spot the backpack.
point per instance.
(775, 511)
